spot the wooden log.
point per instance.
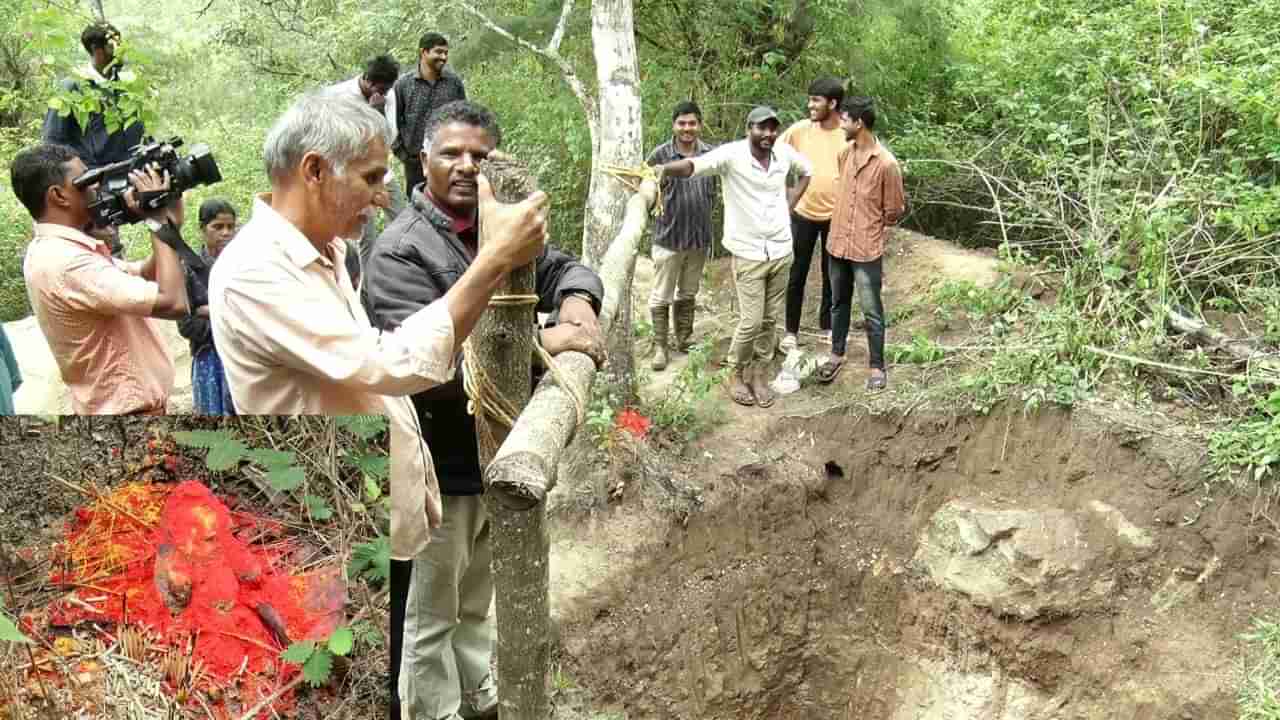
(523, 471)
(503, 343)
(1241, 350)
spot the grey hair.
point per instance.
(338, 128)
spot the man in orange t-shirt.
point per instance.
(819, 139)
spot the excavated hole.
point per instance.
(800, 588)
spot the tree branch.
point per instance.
(553, 45)
(570, 77)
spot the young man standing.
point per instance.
(757, 231)
(447, 626)
(94, 144)
(819, 139)
(681, 237)
(869, 200)
(416, 95)
(98, 312)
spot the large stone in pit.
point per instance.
(1030, 563)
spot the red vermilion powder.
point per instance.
(191, 574)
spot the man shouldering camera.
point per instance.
(97, 312)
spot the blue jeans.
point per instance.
(867, 276)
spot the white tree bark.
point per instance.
(613, 41)
(98, 13)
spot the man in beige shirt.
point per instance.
(869, 202)
(98, 313)
(819, 139)
(293, 336)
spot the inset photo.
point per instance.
(224, 568)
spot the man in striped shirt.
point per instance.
(417, 94)
(681, 236)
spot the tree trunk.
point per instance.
(503, 345)
(523, 471)
(98, 13)
(620, 133)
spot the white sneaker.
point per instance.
(788, 343)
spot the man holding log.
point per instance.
(292, 333)
(447, 627)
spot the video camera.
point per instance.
(109, 207)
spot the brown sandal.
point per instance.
(760, 387)
(827, 371)
(740, 392)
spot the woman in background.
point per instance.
(10, 378)
(208, 381)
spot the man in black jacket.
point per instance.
(445, 620)
(95, 145)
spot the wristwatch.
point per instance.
(583, 294)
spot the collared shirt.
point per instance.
(685, 223)
(351, 89)
(757, 215)
(94, 311)
(416, 99)
(294, 339)
(820, 147)
(869, 200)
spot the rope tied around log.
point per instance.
(634, 177)
(486, 405)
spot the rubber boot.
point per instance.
(682, 317)
(659, 315)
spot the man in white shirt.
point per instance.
(373, 86)
(293, 336)
(757, 231)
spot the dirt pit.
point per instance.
(1002, 567)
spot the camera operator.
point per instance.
(96, 311)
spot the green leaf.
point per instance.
(226, 456)
(225, 451)
(271, 459)
(371, 560)
(9, 631)
(376, 464)
(372, 488)
(317, 668)
(298, 652)
(317, 508)
(286, 479)
(341, 641)
(365, 427)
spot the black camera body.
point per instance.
(109, 207)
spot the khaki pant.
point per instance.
(761, 287)
(449, 632)
(677, 274)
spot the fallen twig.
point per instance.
(99, 497)
(1178, 368)
(265, 702)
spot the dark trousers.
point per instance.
(845, 274)
(413, 177)
(807, 234)
(400, 571)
